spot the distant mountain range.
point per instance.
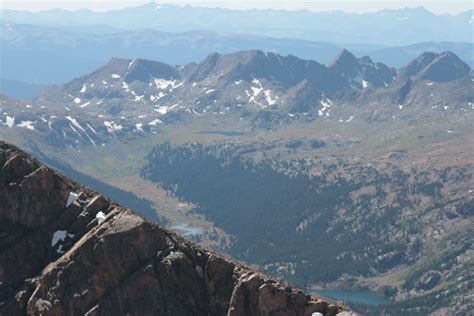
(51, 55)
(253, 89)
(386, 27)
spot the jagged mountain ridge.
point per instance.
(67, 250)
(251, 89)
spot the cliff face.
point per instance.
(66, 250)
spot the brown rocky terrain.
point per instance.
(66, 250)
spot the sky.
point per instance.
(436, 6)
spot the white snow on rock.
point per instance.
(57, 236)
(160, 95)
(138, 98)
(93, 130)
(139, 126)
(83, 89)
(365, 84)
(270, 99)
(85, 104)
(60, 236)
(115, 76)
(210, 91)
(27, 124)
(10, 121)
(77, 125)
(256, 90)
(28, 106)
(238, 82)
(125, 86)
(77, 100)
(100, 217)
(164, 84)
(155, 122)
(74, 122)
(326, 104)
(400, 106)
(104, 82)
(71, 198)
(165, 109)
(349, 119)
(112, 127)
(178, 85)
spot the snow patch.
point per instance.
(365, 84)
(165, 109)
(155, 122)
(27, 124)
(112, 127)
(83, 89)
(10, 121)
(115, 76)
(165, 84)
(85, 104)
(71, 198)
(58, 235)
(326, 104)
(77, 100)
(75, 123)
(125, 86)
(270, 99)
(100, 217)
(138, 98)
(93, 130)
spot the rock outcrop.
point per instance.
(66, 250)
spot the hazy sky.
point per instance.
(436, 6)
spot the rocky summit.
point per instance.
(67, 250)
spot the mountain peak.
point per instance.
(345, 63)
(137, 69)
(440, 67)
(344, 59)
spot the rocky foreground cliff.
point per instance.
(66, 250)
